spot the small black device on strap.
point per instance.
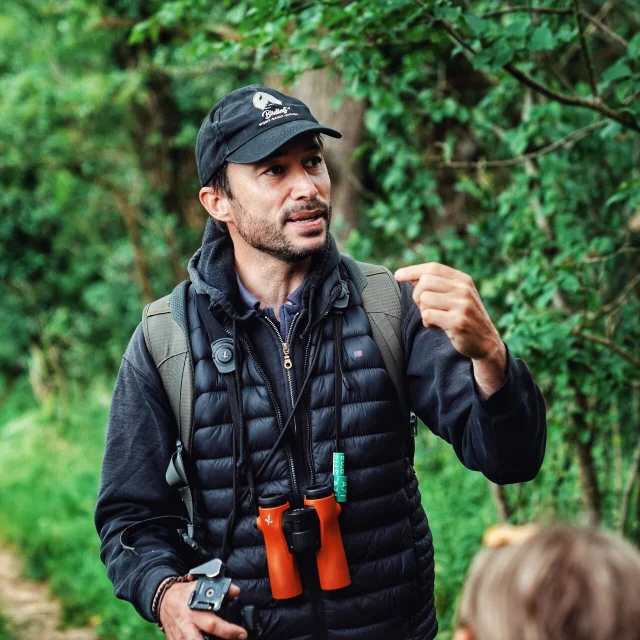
(210, 594)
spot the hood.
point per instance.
(212, 272)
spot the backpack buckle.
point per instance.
(413, 424)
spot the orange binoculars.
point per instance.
(313, 528)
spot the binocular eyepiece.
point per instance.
(312, 528)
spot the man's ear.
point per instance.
(463, 633)
(217, 205)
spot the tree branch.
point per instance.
(612, 306)
(595, 104)
(585, 51)
(610, 345)
(634, 473)
(500, 502)
(594, 20)
(573, 137)
(624, 249)
(503, 12)
(602, 12)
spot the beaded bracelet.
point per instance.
(162, 589)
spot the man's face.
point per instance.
(282, 205)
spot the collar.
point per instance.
(213, 273)
(251, 302)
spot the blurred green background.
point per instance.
(500, 139)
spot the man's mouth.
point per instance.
(307, 218)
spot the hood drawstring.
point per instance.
(240, 458)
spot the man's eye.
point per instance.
(276, 170)
(316, 161)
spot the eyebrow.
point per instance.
(313, 146)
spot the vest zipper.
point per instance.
(288, 364)
(314, 582)
(292, 471)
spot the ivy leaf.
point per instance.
(518, 27)
(615, 72)
(633, 52)
(541, 39)
(478, 25)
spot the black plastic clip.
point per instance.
(209, 595)
(413, 424)
(211, 588)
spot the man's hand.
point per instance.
(181, 623)
(448, 300)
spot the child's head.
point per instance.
(562, 583)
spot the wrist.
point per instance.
(495, 357)
(490, 371)
(161, 591)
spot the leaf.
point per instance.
(611, 130)
(615, 72)
(541, 39)
(633, 52)
(478, 25)
(518, 27)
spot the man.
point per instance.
(272, 276)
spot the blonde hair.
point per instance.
(562, 583)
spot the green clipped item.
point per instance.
(340, 488)
(339, 477)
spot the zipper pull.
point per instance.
(287, 359)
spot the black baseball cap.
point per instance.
(248, 125)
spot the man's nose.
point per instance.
(303, 187)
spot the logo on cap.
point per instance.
(263, 100)
(269, 107)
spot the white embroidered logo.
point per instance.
(269, 107)
(264, 100)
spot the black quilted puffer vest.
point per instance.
(384, 528)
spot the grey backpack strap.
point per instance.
(381, 300)
(164, 326)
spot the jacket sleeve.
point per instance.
(504, 435)
(139, 443)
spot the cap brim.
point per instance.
(266, 142)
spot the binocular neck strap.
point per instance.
(230, 369)
(337, 341)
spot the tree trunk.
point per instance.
(591, 496)
(501, 503)
(130, 216)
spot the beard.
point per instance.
(269, 237)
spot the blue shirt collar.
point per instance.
(251, 302)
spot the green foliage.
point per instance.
(458, 505)
(5, 632)
(49, 475)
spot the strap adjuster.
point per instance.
(413, 424)
(223, 355)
